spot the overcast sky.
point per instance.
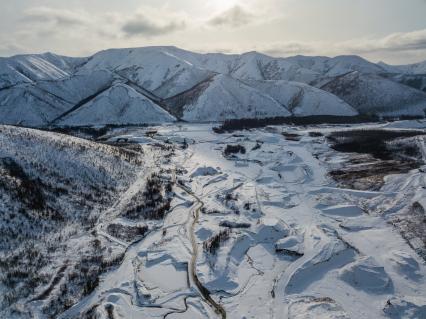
(390, 30)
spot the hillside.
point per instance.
(304, 100)
(224, 97)
(52, 193)
(118, 105)
(373, 94)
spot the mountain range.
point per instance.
(166, 84)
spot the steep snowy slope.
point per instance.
(335, 66)
(416, 68)
(33, 67)
(120, 104)
(53, 188)
(28, 105)
(374, 94)
(223, 97)
(79, 86)
(155, 69)
(304, 100)
(416, 81)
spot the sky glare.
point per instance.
(393, 31)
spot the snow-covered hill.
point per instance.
(223, 97)
(373, 94)
(36, 90)
(53, 188)
(304, 100)
(118, 105)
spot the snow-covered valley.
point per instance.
(194, 224)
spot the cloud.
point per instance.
(11, 48)
(410, 43)
(234, 17)
(143, 25)
(288, 48)
(397, 42)
(56, 16)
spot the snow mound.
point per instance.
(312, 307)
(291, 245)
(406, 308)
(362, 223)
(118, 105)
(205, 171)
(271, 229)
(405, 264)
(367, 275)
(343, 210)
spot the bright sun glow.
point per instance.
(221, 4)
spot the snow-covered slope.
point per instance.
(373, 94)
(33, 67)
(79, 86)
(416, 68)
(53, 188)
(118, 105)
(28, 105)
(223, 97)
(304, 100)
(335, 66)
(416, 81)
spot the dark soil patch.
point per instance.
(234, 149)
(292, 136)
(377, 153)
(374, 142)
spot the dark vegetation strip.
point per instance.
(374, 142)
(250, 123)
(81, 103)
(382, 152)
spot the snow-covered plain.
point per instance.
(274, 236)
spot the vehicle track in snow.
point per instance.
(205, 293)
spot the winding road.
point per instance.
(205, 293)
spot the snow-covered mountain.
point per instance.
(167, 83)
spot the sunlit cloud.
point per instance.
(236, 16)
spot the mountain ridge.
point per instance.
(164, 74)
